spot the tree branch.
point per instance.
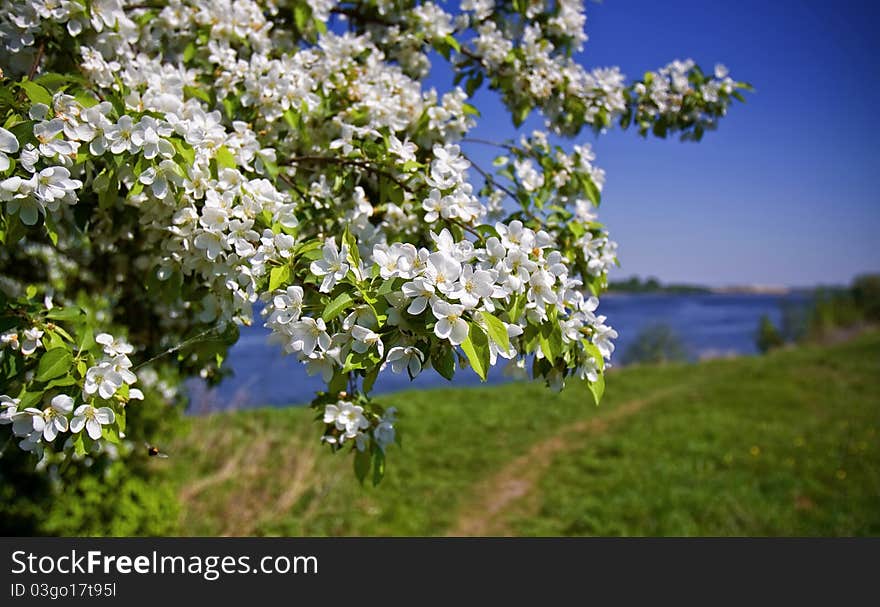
(37, 59)
(362, 164)
(490, 179)
(506, 146)
(465, 227)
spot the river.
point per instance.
(710, 325)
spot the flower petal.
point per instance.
(77, 424)
(105, 416)
(94, 429)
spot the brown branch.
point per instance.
(490, 179)
(37, 59)
(362, 164)
(465, 227)
(292, 185)
(143, 6)
(354, 14)
(506, 146)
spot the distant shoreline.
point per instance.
(744, 290)
(635, 285)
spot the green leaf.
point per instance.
(53, 81)
(378, 466)
(51, 339)
(335, 307)
(64, 314)
(362, 461)
(185, 150)
(15, 230)
(29, 399)
(53, 363)
(228, 106)
(521, 114)
(370, 378)
(271, 168)
(386, 287)
(594, 352)
(551, 340)
(87, 340)
(473, 84)
(497, 330)
(353, 252)
(302, 14)
(338, 383)
(591, 190)
(280, 275)
(51, 229)
(189, 52)
(225, 159)
(476, 347)
(110, 434)
(309, 246)
(487, 231)
(79, 444)
(10, 366)
(453, 43)
(443, 361)
(36, 93)
(597, 388)
(61, 382)
(198, 93)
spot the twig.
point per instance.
(292, 184)
(144, 6)
(353, 14)
(37, 59)
(183, 344)
(491, 179)
(496, 144)
(350, 162)
(465, 227)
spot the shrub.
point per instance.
(657, 343)
(768, 336)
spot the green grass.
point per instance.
(786, 444)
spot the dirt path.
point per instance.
(480, 515)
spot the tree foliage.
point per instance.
(167, 166)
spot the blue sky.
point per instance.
(785, 191)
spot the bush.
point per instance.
(657, 343)
(795, 323)
(114, 499)
(768, 336)
(866, 296)
(846, 307)
(112, 491)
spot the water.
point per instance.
(710, 325)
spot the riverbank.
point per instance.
(785, 444)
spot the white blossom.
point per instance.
(450, 324)
(55, 416)
(333, 266)
(91, 418)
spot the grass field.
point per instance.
(786, 444)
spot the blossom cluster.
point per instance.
(444, 292)
(204, 156)
(102, 383)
